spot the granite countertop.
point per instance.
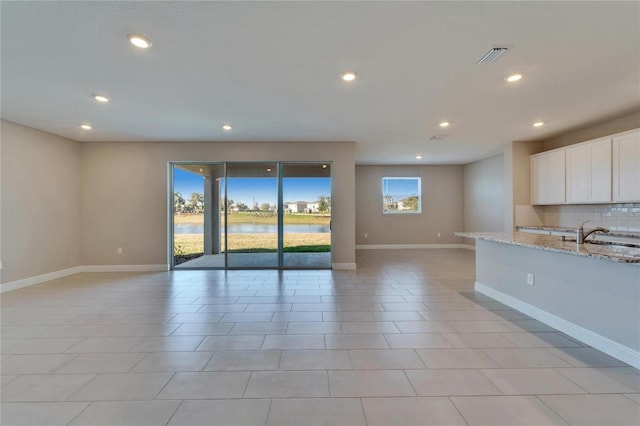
(555, 244)
(611, 233)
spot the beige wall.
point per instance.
(40, 202)
(484, 195)
(442, 206)
(517, 178)
(124, 193)
(621, 124)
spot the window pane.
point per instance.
(401, 195)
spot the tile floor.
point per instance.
(402, 341)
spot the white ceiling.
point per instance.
(272, 70)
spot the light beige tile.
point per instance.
(635, 397)
(604, 380)
(369, 327)
(594, 410)
(316, 411)
(268, 307)
(314, 328)
(244, 361)
(38, 345)
(297, 316)
(411, 411)
(478, 340)
(101, 363)
(259, 328)
(236, 342)
(315, 360)
(105, 344)
(34, 364)
(373, 383)
(524, 358)
(6, 378)
(292, 341)
(133, 413)
(40, 413)
(198, 317)
(247, 317)
(146, 330)
(355, 341)
(241, 412)
(167, 344)
(424, 327)
(90, 331)
(534, 381)
(287, 384)
(450, 382)
(385, 359)
(585, 357)
(506, 411)
(479, 326)
(205, 385)
(202, 329)
(122, 387)
(541, 340)
(413, 341)
(168, 362)
(455, 358)
(347, 316)
(44, 387)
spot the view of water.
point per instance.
(253, 228)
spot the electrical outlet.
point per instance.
(119, 250)
(530, 279)
(438, 235)
(366, 235)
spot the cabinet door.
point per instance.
(578, 173)
(600, 187)
(554, 171)
(626, 167)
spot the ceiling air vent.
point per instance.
(492, 55)
(437, 137)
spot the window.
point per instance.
(401, 195)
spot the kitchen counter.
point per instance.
(555, 244)
(567, 230)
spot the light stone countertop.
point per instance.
(555, 244)
(611, 233)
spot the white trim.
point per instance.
(409, 246)
(608, 346)
(38, 279)
(125, 268)
(344, 266)
(468, 247)
(26, 282)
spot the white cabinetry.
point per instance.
(626, 166)
(548, 178)
(588, 170)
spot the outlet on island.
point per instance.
(119, 250)
(530, 279)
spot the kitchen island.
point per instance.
(590, 292)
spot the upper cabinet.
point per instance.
(547, 177)
(589, 172)
(603, 170)
(626, 166)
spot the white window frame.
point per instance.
(415, 178)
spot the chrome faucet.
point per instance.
(581, 236)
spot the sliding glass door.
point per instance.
(250, 215)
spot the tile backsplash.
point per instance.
(620, 217)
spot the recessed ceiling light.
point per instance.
(100, 98)
(444, 124)
(201, 170)
(227, 127)
(349, 76)
(268, 170)
(85, 126)
(324, 166)
(139, 41)
(514, 77)
(538, 124)
(418, 157)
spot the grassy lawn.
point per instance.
(188, 244)
(289, 219)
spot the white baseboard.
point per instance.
(344, 266)
(409, 246)
(608, 346)
(125, 268)
(26, 282)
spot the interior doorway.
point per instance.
(244, 215)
